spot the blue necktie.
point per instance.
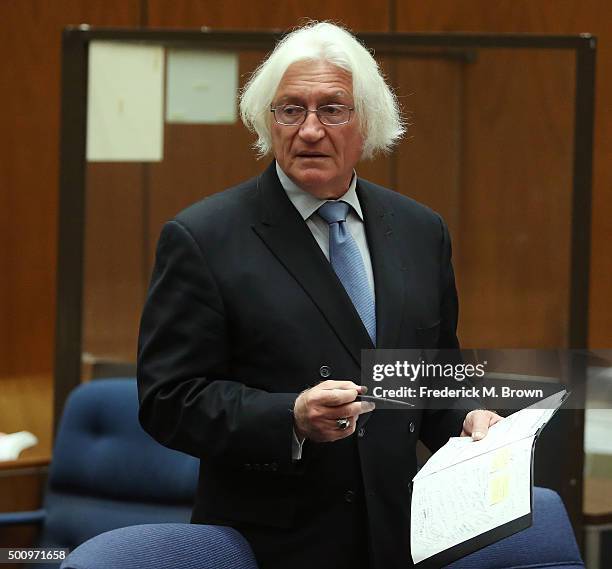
(347, 262)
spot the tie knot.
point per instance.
(333, 212)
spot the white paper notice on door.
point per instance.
(202, 87)
(125, 104)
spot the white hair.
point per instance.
(376, 106)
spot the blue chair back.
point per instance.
(106, 472)
(549, 543)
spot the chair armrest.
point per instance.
(22, 518)
(10, 468)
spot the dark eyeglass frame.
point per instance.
(317, 111)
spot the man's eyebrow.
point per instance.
(340, 93)
(288, 98)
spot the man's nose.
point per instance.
(311, 129)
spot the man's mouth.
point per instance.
(311, 155)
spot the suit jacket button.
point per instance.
(349, 496)
(324, 371)
(361, 432)
(411, 427)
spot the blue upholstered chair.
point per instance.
(106, 472)
(164, 546)
(548, 543)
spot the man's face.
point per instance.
(318, 158)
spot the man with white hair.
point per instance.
(263, 297)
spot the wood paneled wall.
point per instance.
(513, 247)
(282, 14)
(30, 42)
(115, 270)
(542, 16)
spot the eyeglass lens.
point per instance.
(328, 114)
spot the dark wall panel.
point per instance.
(362, 16)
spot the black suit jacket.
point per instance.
(243, 313)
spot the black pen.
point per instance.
(384, 402)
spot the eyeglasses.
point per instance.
(329, 115)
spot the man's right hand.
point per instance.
(317, 410)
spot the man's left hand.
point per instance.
(476, 423)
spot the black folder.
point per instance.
(487, 538)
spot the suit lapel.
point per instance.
(387, 265)
(287, 236)
(388, 270)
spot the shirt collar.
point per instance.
(307, 204)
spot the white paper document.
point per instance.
(470, 487)
(202, 87)
(125, 102)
